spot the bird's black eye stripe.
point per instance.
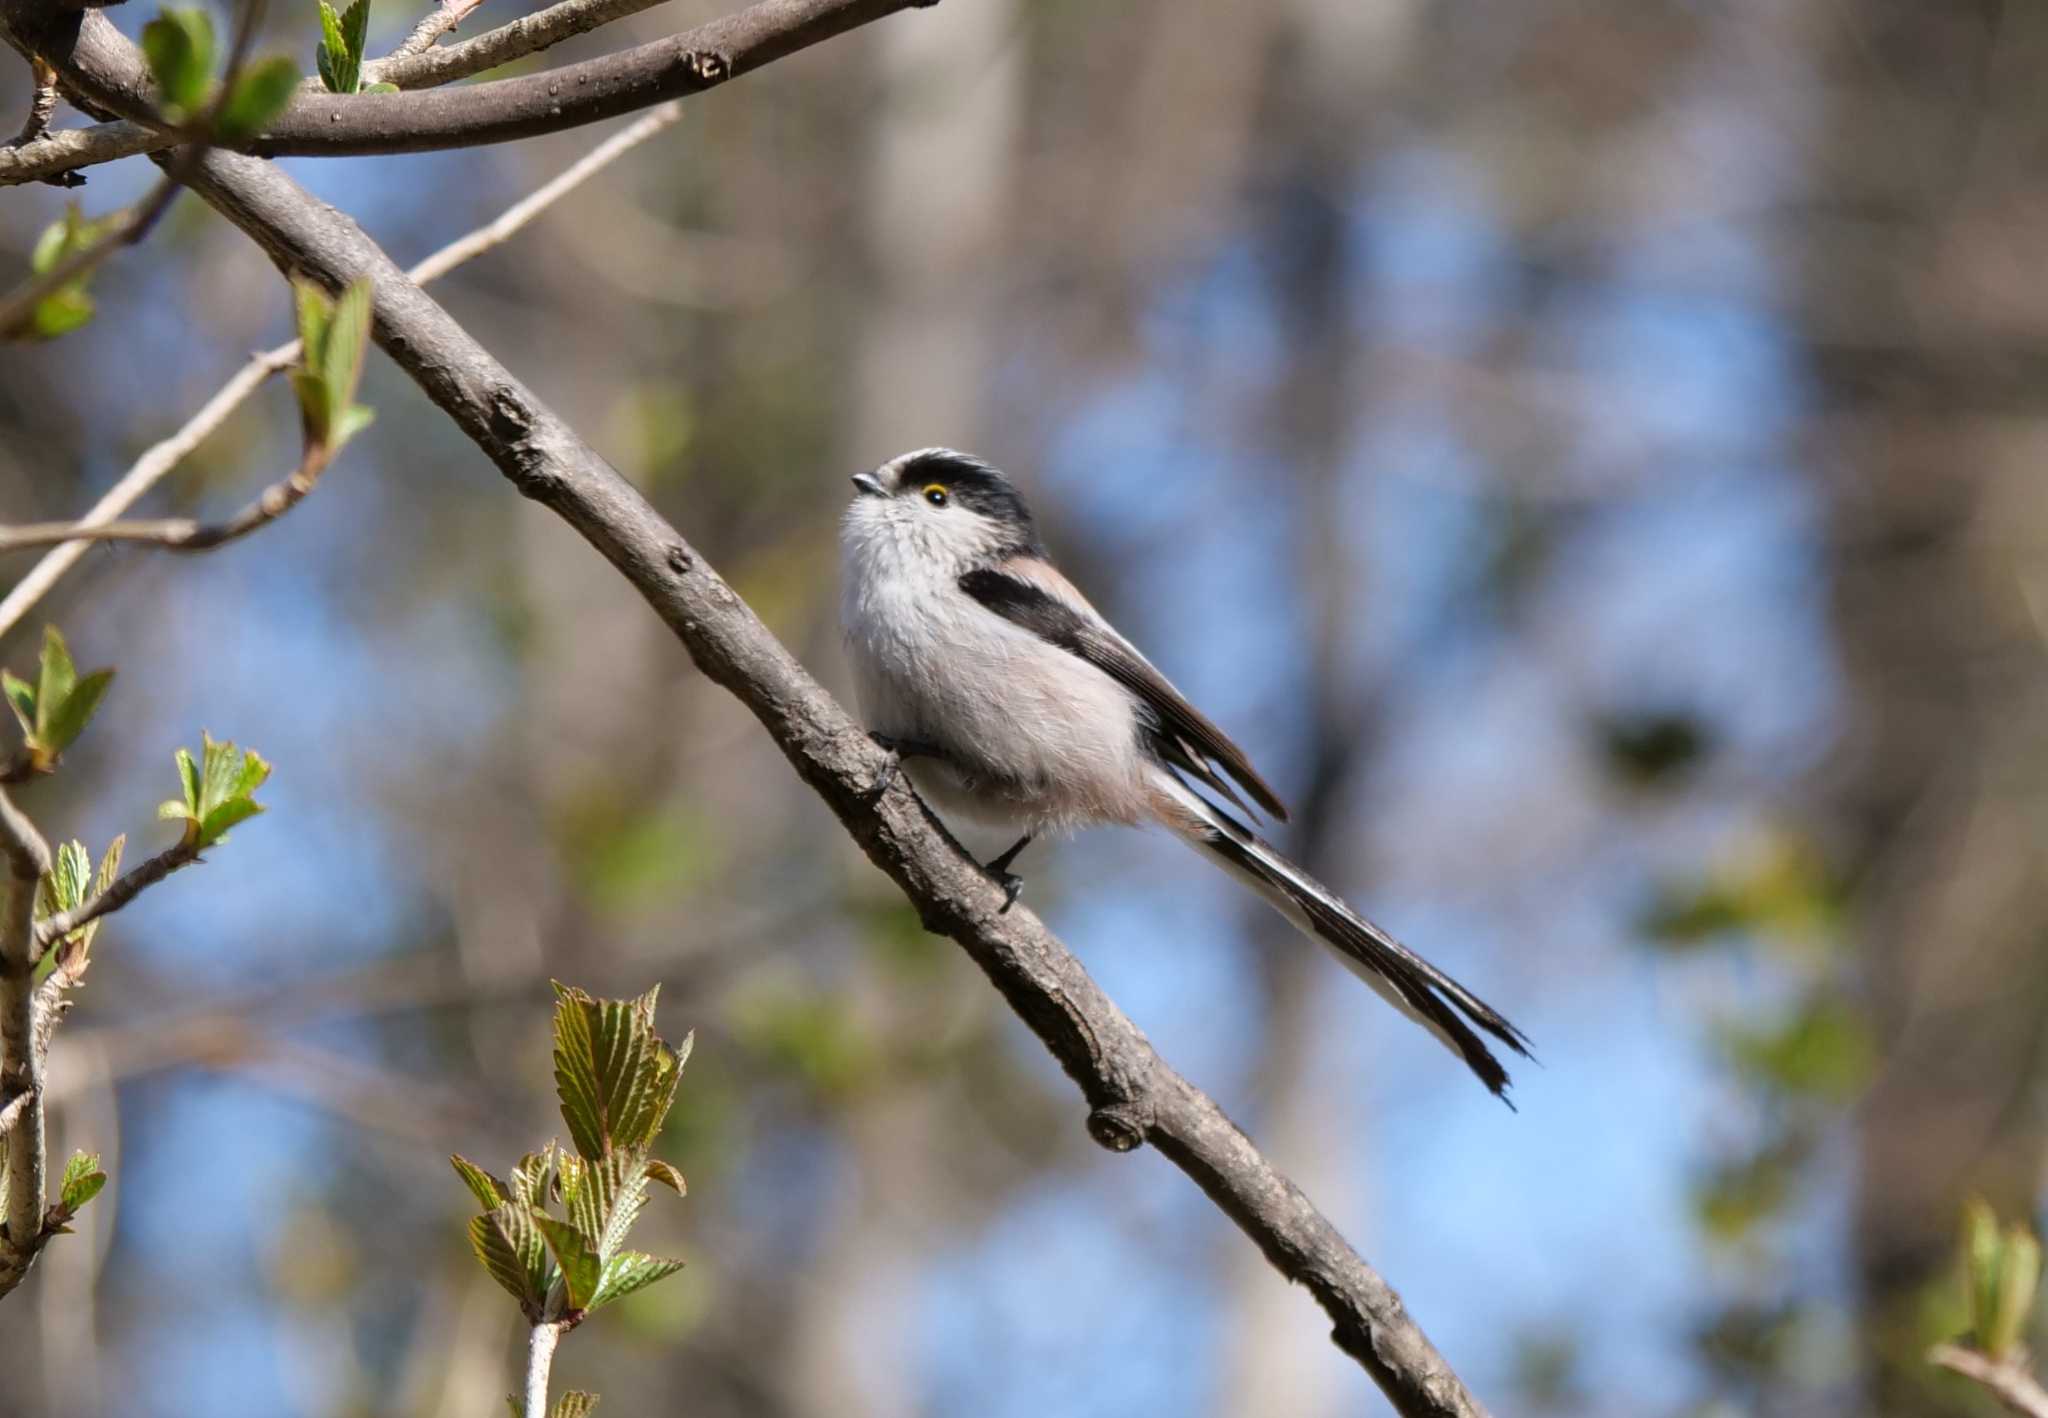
(935, 495)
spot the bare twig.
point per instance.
(124, 889)
(438, 21)
(21, 1063)
(182, 533)
(1133, 1095)
(420, 68)
(156, 463)
(2006, 1380)
(69, 149)
(540, 1358)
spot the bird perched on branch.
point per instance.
(1009, 699)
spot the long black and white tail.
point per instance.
(1404, 979)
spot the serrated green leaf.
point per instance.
(68, 720)
(488, 1190)
(629, 1271)
(82, 1181)
(179, 47)
(262, 92)
(615, 1078)
(575, 1404)
(110, 864)
(509, 1243)
(188, 777)
(56, 678)
(355, 29)
(21, 698)
(64, 886)
(575, 1256)
(529, 1180)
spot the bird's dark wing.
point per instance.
(1033, 595)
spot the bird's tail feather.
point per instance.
(1404, 979)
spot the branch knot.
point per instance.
(1121, 1126)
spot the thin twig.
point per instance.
(124, 889)
(42, 104)
(158, 461)
(69, 149)
(183, 533)
(438, 21)
(18, 309)
(540, 1358)
(419, 68)
(2006, 1380)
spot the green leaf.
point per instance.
(62, 311)
(82, 1181)
(666, 1173)
(340, 57)
(340, 361)
(170, 809)
(629, 1271)
(378, 89)
(21, 698)
(615, 1077)
(188, 776)
(313, 309)
(352, 421)
(529, 1180)
(2019, 1277)
(56, 678)
(508, 1242)
(488, 1190)
(262, 92)
(64, 887)
(576, 1255)
(214, 826)
(179, 47)
(68, 720)
(575, 1404)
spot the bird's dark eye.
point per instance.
(935, 495)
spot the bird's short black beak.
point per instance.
(869, 485)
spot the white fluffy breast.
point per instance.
(1032, 735)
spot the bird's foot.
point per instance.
(898, 750)
(999, 869)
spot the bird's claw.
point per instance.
(1013, 887)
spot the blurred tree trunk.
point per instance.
(1923, 198)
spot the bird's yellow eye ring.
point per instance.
(935, 494)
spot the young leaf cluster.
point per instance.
(69, 305)
(217, 791)
(70, 884)
(180, 48)
(335, 334)
(56, 708)
(553, 1232)
(340, 57)
(2002, 1269)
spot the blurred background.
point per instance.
(1588, 451)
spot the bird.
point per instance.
(1007, 698)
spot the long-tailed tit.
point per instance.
(1012, 701)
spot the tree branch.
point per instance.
(162, 457)
(107, 74)
(2006, 1380)
(21, 1063)
(41, 105)
(1134, 1096)
(56, 154)
(438, 21)
(540, 1359)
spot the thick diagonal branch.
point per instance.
(1134, 1096)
